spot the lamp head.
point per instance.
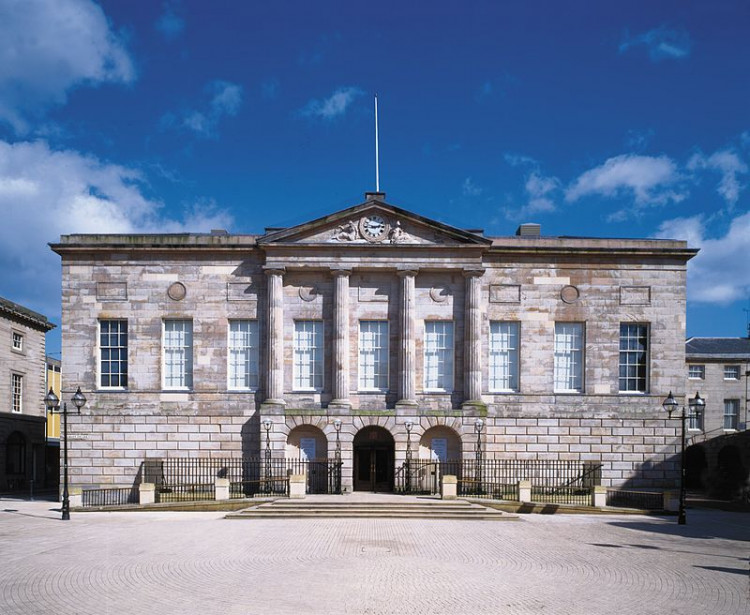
(670, 404)
(337, 424)
(51, 400)
(409, 425)
(697, 403)
(79, 399)
(478, 425)
(267, 423)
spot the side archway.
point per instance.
(440, 443)
(307, 453)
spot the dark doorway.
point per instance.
(695, 466)
(373, 460)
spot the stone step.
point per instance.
(291, 509)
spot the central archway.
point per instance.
(374, 460)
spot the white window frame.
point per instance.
(695, 420)
(177, 360)
(16, 393)
(121, 374)
(631, 353)
(373, 349)
(243, 355)
(569, 351)
(504, 345)
(733, 371)
(439, 351)
(733, 416)
(696, 371)
(16, 341)
(308, 355)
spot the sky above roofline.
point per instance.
(592, 119)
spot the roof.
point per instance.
(14, 311)
(718, 348)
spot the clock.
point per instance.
(374, 227)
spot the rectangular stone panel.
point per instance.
(635, 295)
(505, 293)
(111, 291)
(368, 294)
(241, 291)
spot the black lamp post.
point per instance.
(53, 405)
(267, 424)
(409, 425)
(696, 404)
(337, 427)
(478, 426)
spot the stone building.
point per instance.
(374, 319)
(22, 411)
(718, 457)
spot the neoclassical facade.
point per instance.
(373, 319)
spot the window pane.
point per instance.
(503, 356)
(568, 374)
(731, 372)
(731, 413)
(438, 356)
(16, 387)
(373, 355)
(113, 353)
(243, 354)
(178, 354)
(633, 357)
(308, 355)
(697, 372)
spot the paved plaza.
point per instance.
(168, 562)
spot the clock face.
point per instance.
(374, 227)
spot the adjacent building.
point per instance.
(370, 332)
(719, 456)
(22, 389)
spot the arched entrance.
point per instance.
(373, 460)
(307, 453)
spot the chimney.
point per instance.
(374, 196)
(529, 229)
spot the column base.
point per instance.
(407, 404)
(273, 404)
(339, 404)
(474, 405)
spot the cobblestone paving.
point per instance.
(167, 563)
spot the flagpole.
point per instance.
(377, 162)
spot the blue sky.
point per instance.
(602, 119)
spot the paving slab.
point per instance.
(185, 562)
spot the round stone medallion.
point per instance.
(569, 294)
(177, 291)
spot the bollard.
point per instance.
(297, 484)
(524, 491)
(221, 488)
(599, 496)
(146, 493)
(449, 489)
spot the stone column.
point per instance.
(341, 339)
(473, 338)
(275, 318)
(407, 346)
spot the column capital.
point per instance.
(271, 270)
(474, 272)
(336, 272)
(405, 273)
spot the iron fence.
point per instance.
(112, 496)
(551, 481)
(179, 479)
(644, 500)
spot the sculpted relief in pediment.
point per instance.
(371, 228)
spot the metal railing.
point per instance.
(551, 481)
(178, 479)
(110, 496)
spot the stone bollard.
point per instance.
(671, 501)
(297, 486)
(221, 488)
(524, 491)
(75, 497)
(449, 489)
(146, 493)
(599, 496)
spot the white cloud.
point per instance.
(662, 43)
(469, 188)
(720, 272)
(540, 190)
(333, 106)
(46, 193)
(649, 180)
(225, 101)
(731, 167)
(47, 48)
(170, 24)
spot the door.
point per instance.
(373, 468)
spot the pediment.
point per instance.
(374, 223)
